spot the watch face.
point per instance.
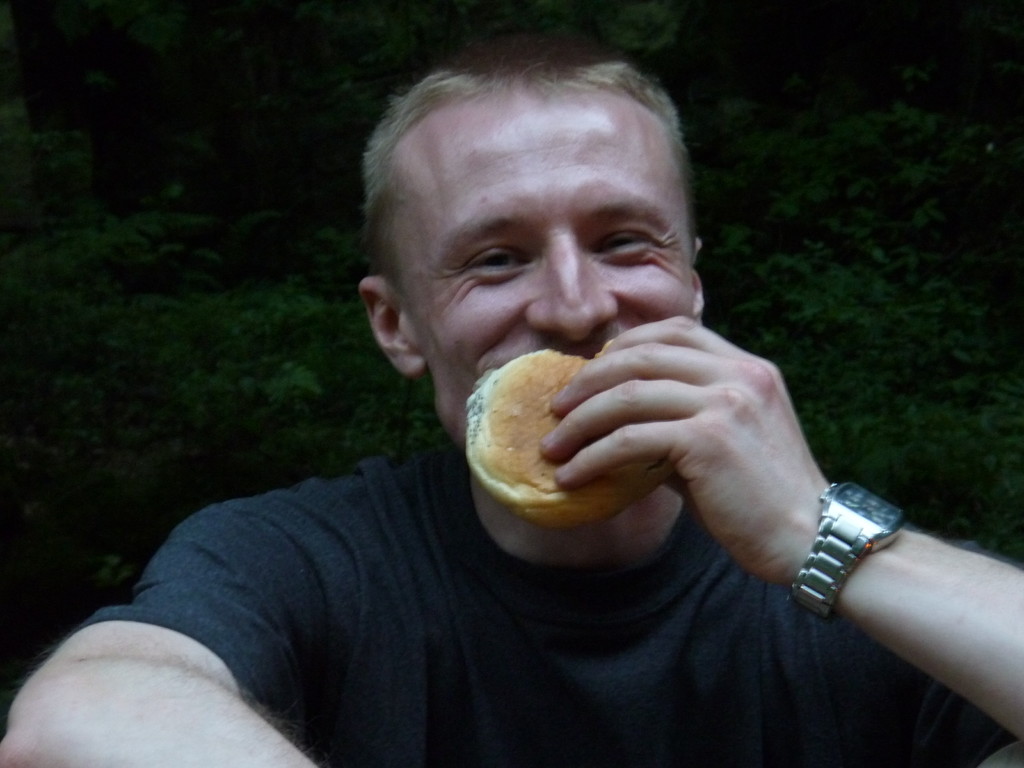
(865, 503)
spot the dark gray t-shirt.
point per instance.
(374, 613)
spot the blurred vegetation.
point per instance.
(178, 319)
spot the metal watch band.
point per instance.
(841, 542)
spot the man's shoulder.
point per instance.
(369, 474)
(379, 493)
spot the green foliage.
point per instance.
(105, 363)
(155, 24)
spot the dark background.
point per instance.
(179, 213)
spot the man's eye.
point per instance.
(496, 260)
(624, 241)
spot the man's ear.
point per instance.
(698, 288)
(391, 326)
(698, 296)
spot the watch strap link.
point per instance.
(837, 548)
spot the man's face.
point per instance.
(525, 223)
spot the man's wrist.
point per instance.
(854, 522)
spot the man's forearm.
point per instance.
(113, 712)
(956, 614)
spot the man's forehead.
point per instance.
(511, 120)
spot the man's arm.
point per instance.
(128, 694)
(1011, 756)
(956, 614)
(723, 417)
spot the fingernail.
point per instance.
(551, 447)
(557, 402)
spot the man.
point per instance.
(537, 197)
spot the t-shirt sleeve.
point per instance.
(242, 578)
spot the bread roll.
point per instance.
(507, 415)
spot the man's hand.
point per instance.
(676, 391)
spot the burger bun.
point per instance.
(508, 414)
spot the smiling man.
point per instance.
(535, 194)
(524, 222)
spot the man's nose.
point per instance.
(573, 298)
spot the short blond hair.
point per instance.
(543, 64)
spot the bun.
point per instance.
(508, 414)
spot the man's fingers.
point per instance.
(632, 402)
(632, 443)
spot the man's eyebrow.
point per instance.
(632, 209)
(478, 229)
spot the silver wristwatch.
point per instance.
(854, 523)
